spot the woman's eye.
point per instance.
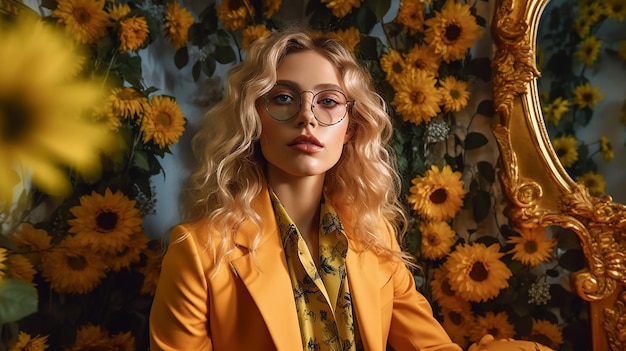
(283, 99)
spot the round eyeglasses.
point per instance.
(284, 102)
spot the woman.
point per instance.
(292, 242)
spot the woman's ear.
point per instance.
(349, 132)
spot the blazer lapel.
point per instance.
(267, 279)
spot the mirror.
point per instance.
(581, 55)
(539, 190)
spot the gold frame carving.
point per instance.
(13, 7)
(539, 191)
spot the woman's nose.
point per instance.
(305, 115)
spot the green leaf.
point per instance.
(18, 299)
(378, 7)
(141, 160)
(485, 108)
(474, 140)
(487, 171)
(181, 57)
(208, 66)
(573, 260)
(224, 54)
(195, 71)
(481, 204)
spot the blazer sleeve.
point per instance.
(178, 317)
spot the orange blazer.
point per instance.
(249, 303)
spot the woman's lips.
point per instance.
(306, 143)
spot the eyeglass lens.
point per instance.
(284, 102)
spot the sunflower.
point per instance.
(497, 325)
(454, 94)
(33, 241)
(234, 14)
(411, 15)
(554, 111)
(106, 222)
(72, 267)
(438, 195)
(591, 12)
(437, 239)
(252, 34)
(133, 33)
(423, 58)
(417, 98)
(532, 247)
(606, 149)
(586, 96)
(20, 268)
(3, 261)
(594, 182)
(129, 254)
(118, 11)
(616, 9)
(123, 342)
(152, 268)
(91, 337)
(25, 342)
(351, 37)
(458, 324)
(566, 148)
(270, 7)
(178, 20)
(452, 31)
(442, 292)
(582, 26)
(41, 108)
(165, 123)
(84, 20)
(125, 102)
(546, 333)
(393, 65)
(589, 49)
(476, 272)
(340, 8)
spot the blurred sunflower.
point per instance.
(3, 260)
(454, 94)
(582, 26)
(151, 269)
(105, 222)
(606, 149)
(438, 195)
(178, 20)
(532, 246)
(72, 267)
(411, 15)
(589, 49)
(458, 323)
(452, 31)
(437, 239)
(118, 11)
(476, 272)
(423, 58)
(133, 33)
(122, 103)
(253, 33)
(442, 292)
(417, 98)
(566, 148)
(615, 9)
(130, 253)
(123, 342)
(350, 36)
(25, 342)
(592, 11)
(20, 268)
(234, 14)
(270, 7)
(32, 241)
(586, 97)
(165, 123)
(393, 65)
(546, 333)
(41, 109)
(85, 20)
(594, 182)
(340, 8)
(497, 325)
(554, 111)
(90, 337)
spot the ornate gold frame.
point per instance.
(539, 190)
(12, 7)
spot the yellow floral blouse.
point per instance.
(322, 297)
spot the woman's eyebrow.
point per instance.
(317, 87)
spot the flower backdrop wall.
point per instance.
(93, 269)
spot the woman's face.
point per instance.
(301, 146)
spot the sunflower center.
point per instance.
(494, 332)
(82, 16)
(446, 288)
(439, 196)
(396, 67)
(454, 94)
(419, 64)
(163, 119)
(106, 220)
(234, 5)
(418, 97)
(531, 247)
(479, 272)
(587, 97)
(14, 120)
(560, 152)
(77, 263)
(452, 33)
(455, 317)
(433, 240)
